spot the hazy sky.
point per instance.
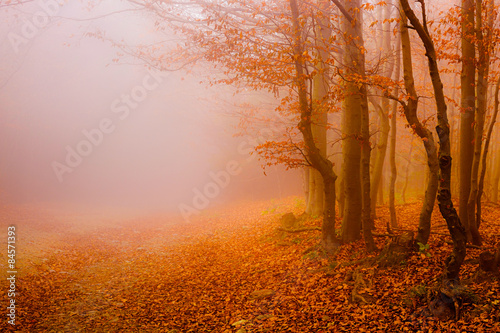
(76, 126)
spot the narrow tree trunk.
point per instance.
(485, 154)
(382, 109)
(319, 162)
(320, 87)
(481, 89)
(481, 95)
(367, 222)
(424, 226)
(311, 189)
(454, 139)
(365, 175)
(496, 178)
(306, 187)
(456, 229)
(468, 105)
(316, 193)
(407, 171)
(381, 149)
(341, 197)
(392, 144)
(380, 198)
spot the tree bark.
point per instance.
(410, 110)
(341, 198)
(392, 144)
(407, 171)
(320, 87)
(455, 227)
(481, 89)
(485, 154)
(468, 105)
(319, 162)
(481, 106)
(382, 109)
(381, 149)
(496, 178)
(351, 131)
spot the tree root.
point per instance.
(360, 285)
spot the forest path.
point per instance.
(83, 262)
(229, 270)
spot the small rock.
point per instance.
(289, 221)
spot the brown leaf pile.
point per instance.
(232, 271)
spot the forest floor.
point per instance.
(230, 270)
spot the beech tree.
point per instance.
(320, 95)
(317, 160)
(484, 34)
(410, 111)
(256, 47)
(277, 47)
(383, 105)
(392, 143)
(455, 227)
(473, 27)
(468, 105)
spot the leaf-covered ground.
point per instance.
(230, 270)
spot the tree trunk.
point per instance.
(382, 109)
(407, 172)
(306, 187)
(454, 139)
(341, 197)
(468, 105)
(481, 89)
(496, 178)
(315, 201)
(485, 154)
(319, 162)
(481, 95)
(380, 199)
(410, 109)
(320, 87)
(367, 222)
(351, 129)
(456, 229)
(392, 144)
(311, 189)
(381, 149)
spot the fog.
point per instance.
(79, 128)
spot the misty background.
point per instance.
(56, 82)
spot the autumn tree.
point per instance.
(280, 47)
(320, 96)
(473, 27)
(468, 105)
(456, 229)
(392, 143)
(410, 111)
(383, 105)
(485, 47)
(355, 132)
(322, 164)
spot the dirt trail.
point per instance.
(81, 272)
(96, 259)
